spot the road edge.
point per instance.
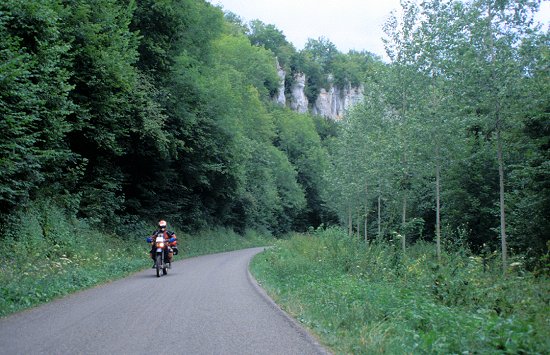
(297, 326)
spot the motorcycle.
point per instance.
(162, 251)
(161, 248)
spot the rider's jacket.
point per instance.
(167, 235)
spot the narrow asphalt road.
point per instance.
(205, 305)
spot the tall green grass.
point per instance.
(366, 299)
(47, 255)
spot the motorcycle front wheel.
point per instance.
(158, 264)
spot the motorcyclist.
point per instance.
(171, 239)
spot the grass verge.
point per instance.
(371, 299)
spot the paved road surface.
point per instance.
(210, 306)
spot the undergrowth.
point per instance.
(47, 255)
(365, 299)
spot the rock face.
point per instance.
(353, 96)
(298, 101)
(336, 101)
(280, 98)
(332, 103)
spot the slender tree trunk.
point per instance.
(498, 117)
(502, 211)
(366, 211)
(437, 204)
(379, 210)
(404, 236)
(358, 222)
(350, 225)
(405, 186)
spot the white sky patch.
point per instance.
(349, 24)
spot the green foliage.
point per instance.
(50, 255)
(256, 64)
(267, 195)
(171, 28)
(471, 204)
(34, 100)
(322, 51)
(111, 107)
(162, 109)
(529, 193)
(351, 69)
(271, 38)
(450, 117)
(304, 62)
(291, 194)
(366, 299)
(298, 139)
(234, 23)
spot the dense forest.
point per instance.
(123, 110)
(119, 111)
(452, 143)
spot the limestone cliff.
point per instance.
(298, 98)
(280, 97)
(336, 101)
(332, 102)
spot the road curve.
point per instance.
(205, 305)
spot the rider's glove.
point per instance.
(149, 239)
(172, 239)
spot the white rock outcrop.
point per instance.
(280, 98)
(298, 100)
(332, 103)
(335, 102)
(353, 96)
